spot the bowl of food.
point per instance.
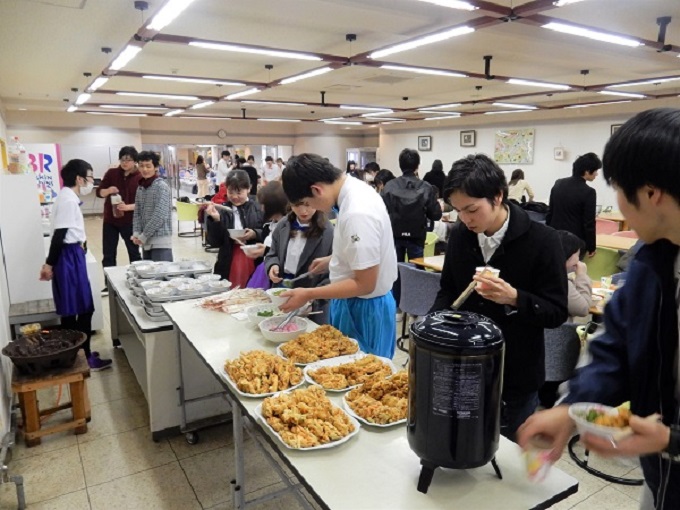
(161, 292)
(258, 313)
(218, 284)
(236, 233)
(191, 289)
(289, 332)
(275, 295)
(600, 420)
(208, 278)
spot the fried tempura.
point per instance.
(381, 401)
(356, 372)
(259, 372)
(323, 343)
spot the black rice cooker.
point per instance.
(455, 383)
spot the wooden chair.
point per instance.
(605, 226)
(627, 233)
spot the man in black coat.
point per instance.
(572, 201)
(529, 294)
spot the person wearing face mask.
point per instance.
(151, 224)
(65, 266)
(530, 293)
(303, 236)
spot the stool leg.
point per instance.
(88, 408)
(78, 403)
(29, 410)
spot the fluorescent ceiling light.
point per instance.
(592, 34)
(506, 111)
(424, 70)
(453, 4)
(516, 106)
(280, 120)
(377, 114)
(332, 118)
(283, 103)
(172, 113)
(242, 93)
(207, 81)
(258, 51)
(381, 118)
(391, 122)
(130, 107)
(98, 83)
(119, 114)
(161, 96)
(71, 108)
(422, 41)
(201, 105)
(443, 117)
(562, 3)
(366, 108)
(645, 82)
(125, 57)
(303, 76)
(588, 105)
(622, 94)
(344, 122)
(82, 98)
(443, 114)
(531, 83)
(167, 14)
(203, 117)
(440, 107)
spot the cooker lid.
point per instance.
(458, 330)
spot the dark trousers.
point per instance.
(516, 411)
(412, 248)
(158, 254)
(83, 323)
(110, 234)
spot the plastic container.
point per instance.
(115, 200)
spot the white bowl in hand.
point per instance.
(236, 233)
(585, 413)
(292, 330)
(274, 295)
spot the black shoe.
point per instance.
(105, 291)
(116, 343)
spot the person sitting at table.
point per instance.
(517, 187)
(529, 295)
(238, 213)
(303, 236)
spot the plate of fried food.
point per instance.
(601, 420)
(347, 372)
(261, 374)
(323, 343)
(305, 419)
(380, 402)
(235, 300)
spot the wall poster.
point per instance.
(514, 146)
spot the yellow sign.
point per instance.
(3, 155)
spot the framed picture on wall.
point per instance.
(468, 138)
(615, 128)
(558, 153)
(424, 143)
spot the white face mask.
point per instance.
(87, 189)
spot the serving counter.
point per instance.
(376, 468)
(151, 349)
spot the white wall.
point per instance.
(577, 137)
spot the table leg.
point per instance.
(113, 312)
(239, 483)
(78, 405)
(182, 403)
(31, 415)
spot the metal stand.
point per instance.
(8, 441)
(584, 464)
(427, 472)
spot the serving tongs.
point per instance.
(287, 319)
(289, 283)
(466, 293)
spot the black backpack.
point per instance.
(407, 209)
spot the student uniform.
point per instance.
(363, 239)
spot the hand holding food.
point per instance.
(274, 274)
(211, 211)
(496, 289)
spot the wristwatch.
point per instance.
(672, 451)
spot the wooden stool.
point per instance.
(26, 386)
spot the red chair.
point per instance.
(605, 226)
(627, 233)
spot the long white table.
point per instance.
(376, 469)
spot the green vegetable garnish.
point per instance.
(592, 415)
(279, 292)
(266, 313)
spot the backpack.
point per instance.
(406, 207)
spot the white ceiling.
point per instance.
(47, 45)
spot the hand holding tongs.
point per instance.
(289, 283)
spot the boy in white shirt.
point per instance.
(363, 264)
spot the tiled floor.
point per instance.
(117, 466)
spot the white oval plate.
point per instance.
(340, 360)
(231, 383)
(280, 353)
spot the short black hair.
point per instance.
(128, 151)
(570, 243)
(409, 161)
(273, 200)
(74, 168)
(238, 179)
(225, 153)
(383, 177)
(304, 171)
(199, 159)
(241, 161)
(437, 166)
(251, 157)
(150, 156)
(350, 163)
(269, 158)
(645, 151)
(587, 163)
(478, 176)
(372, 166)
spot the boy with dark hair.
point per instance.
(270, 171)
(636, 357)
(411, 203)
(529, 294)
(224, 166)
(122, 180)
(151, 225)
(362, 265)
(65, 264)
(248, 166)
(572, 201)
